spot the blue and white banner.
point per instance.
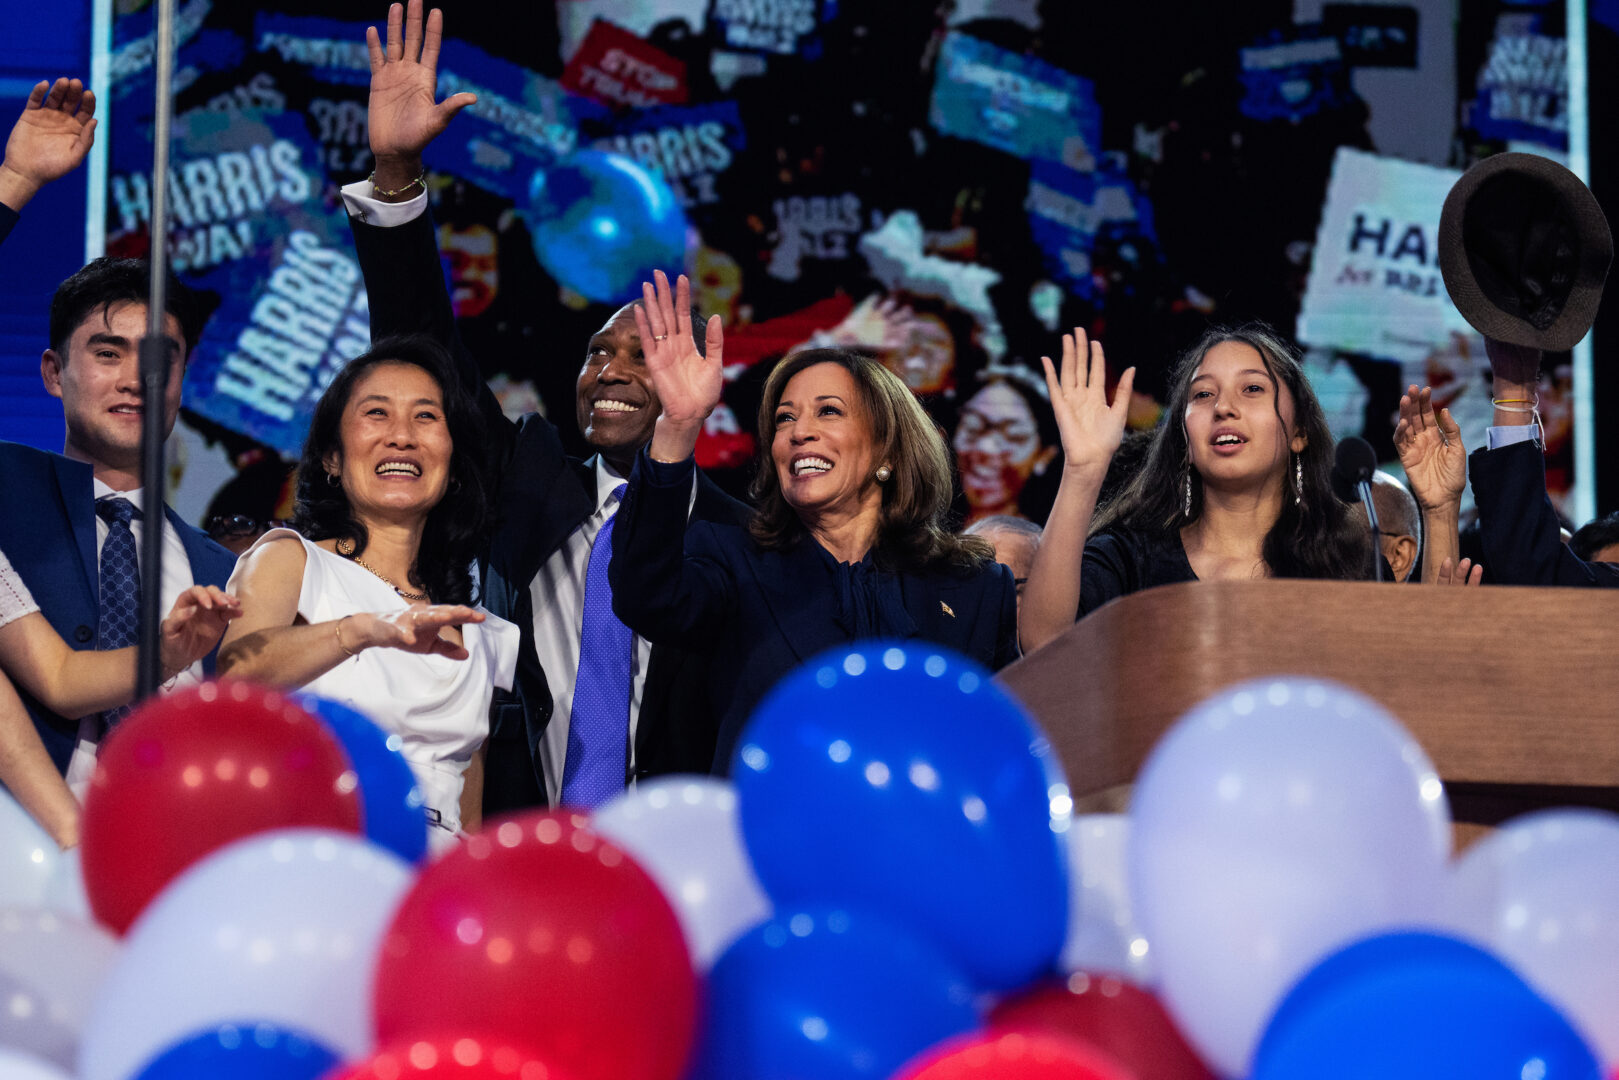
(1523, 90)
(691, 147)
(1015, 103)
(1294, 75)
(778, 27)
(1068, 210)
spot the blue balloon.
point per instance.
(390, 805)
(1418, 1004)
(601, 224)
(242, 1052)
(898, 779)
(829, 993)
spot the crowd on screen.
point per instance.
(541, 629)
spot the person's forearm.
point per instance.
(1514, 380)
(1441, 540)
(28, 773)
(472, 793)
(674, 442)
(69, 682)
(15, 189)
(288, 657)
(1051, 596)
(395, 178)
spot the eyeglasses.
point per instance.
(236, 526)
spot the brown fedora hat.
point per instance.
(1524, 249)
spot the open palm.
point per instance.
(689, 384)
(1431, 451)
(54, 132)
(1091, 427)
(402, 114)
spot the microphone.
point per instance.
(1353, 463)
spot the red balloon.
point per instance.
(1124, 1021)
(449, 1059)
(1014, 1056)
(186, 774)
(539, 931)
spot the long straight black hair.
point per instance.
(1314, 536)
(455, 527)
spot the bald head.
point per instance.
(1399, 520)
(1015, 541)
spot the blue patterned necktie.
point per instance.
(120, 586)
(599, 727)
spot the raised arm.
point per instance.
(48, 141)
(75, 682)
(1091, 431)
(270, 643)
(1435, 463)
(28, 773)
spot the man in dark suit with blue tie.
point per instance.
(598, 706)
(67, 520)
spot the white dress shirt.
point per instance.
(176, 580)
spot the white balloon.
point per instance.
(683, 831)
(1275, 823)
(51, 964)
(34, 872)
(1102, 933)
(1542, 893)
(281, 927)
(15, 1065)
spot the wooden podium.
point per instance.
(1513, 692)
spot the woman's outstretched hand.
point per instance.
(415, 630)
(688, 382)
(1091, 427)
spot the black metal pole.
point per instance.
(155, 362)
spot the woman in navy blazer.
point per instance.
(849, 540)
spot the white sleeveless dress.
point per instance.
(438, 707)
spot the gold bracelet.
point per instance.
(421, 179)
(337, 632)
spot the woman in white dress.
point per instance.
(72, 682)
(372, 605)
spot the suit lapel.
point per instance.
(74, 481)
(795, 586)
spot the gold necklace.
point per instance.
(345, 548)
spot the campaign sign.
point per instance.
(782, 27)
(1374, 284)
(134, 44)
(689, 147)
(1294, 75)
(1015, 103)
(250, 225)
(615, 67)
(1523, 90)
(1374, 35)
(1063, 221)
(331, 50)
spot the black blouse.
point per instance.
(1122, 561)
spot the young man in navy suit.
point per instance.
(598, 705)
(61, 514)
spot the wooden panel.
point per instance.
(1502, 686)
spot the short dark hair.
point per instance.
(107, 281)
(455, 527)
(1595, 535)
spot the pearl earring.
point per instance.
(883, 473)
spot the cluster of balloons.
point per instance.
(893, 887)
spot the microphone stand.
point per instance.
(154, 368)
(1364, 486)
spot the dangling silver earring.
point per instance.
(883, 473)
(1186, 489)
(1298, 480)
(332, 480)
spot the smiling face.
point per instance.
(1240, 426)
(396, 445)
(997, 447)
(617, 404)
(823, 446)
(100, 386)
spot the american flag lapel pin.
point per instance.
(944, 607)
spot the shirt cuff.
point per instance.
(359, 203)
(668, 474)
(1513, 433)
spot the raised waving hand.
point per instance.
(404, 114)
(49, 140)
(1091, 426)
(689, 383)
(1431, 451)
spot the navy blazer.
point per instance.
(1518, 529)
(759, 614)
(541, 496)
(48, 532)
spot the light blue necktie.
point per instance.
(120, 587)
(599, 727)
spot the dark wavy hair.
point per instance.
(455, 527)
(914, 532)
(1313, 537)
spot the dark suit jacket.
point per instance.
(48, 531)
(542, 496)
(760, 613)
(1518, 529)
